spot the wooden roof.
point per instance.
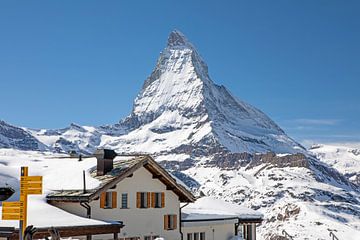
(122, 169)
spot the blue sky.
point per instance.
(85, 61)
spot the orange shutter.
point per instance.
(175, 221)
(148, 199)
(102, 199)
(114, 199)
(166, 226)
(138, 200)
(162, 199)
(153, 199)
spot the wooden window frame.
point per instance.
(143, 200)
(170, 222)
(108, 200)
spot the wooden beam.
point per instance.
(75, 231)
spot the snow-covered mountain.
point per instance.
(345, 158)
(18, 138)
(180, 101)
(223, 147)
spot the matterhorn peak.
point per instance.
(178, 39)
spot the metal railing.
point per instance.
(288, 236)
(334, 237)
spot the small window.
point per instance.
(189, 236)
(170, 222)
(143, 200)
(150, 237)
(124, 200)
(202, 236)
(196, 236)
(158, 200)
(108, 200)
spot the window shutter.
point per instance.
(175, 221)
(148, 199)
(102, 199)
(166, 226)
(153, 199)
(138, 200)
(162, 199)
(114, 199)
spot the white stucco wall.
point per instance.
(217, 230)
(138, 222)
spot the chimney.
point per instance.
(105, 159)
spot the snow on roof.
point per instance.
(121, 164)
(210, 208)
(58, 173)
(42, 215)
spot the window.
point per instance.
(157, 200)
(189, 236)
(196, 236)
(143, 200)
(124, 200)
(202, 236)
(247, 231)
(108, 200)
(170, 222)
(150, 237)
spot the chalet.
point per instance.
(149, 202)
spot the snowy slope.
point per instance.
(305, 201)
(345, 158)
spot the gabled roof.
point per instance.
(123, 168)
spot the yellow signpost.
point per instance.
(18, 210)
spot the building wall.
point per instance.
(217, 230)
(138, 222)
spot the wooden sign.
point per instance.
(13, 211)
(32, 185)
(12, 204)
(31, 191)
(31, 178)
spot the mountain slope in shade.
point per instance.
(180, 101)
(18, 138)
